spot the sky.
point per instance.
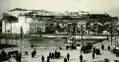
(94, 6)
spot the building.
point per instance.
(37, 27)
(36, 21)
(26, 23)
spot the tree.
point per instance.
(57, 27)
(50, 28)
(10, 19)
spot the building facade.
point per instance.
(37, 27)
(28, 24)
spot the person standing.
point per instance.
(93, 55)
(26, 53)
(42, 58)
(108, 48)
(48, 59)
(50, 55)
(53, 55)
(65, 60)
(32, 46)
(34, 53)
(58, 55)
(94, 49)
(68, 56)
(102, 47)
(81, 58)
(66, 47)
(20, 56)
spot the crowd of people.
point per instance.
(57, 55)
(52, 55)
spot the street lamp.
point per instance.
(21, 35)
(111, 30)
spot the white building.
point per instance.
(26, 23)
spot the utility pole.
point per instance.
(82, 34)
(75, 31)
(115, 35)
(111, 34)
(115, 39)
(11, 35)
(21, 35)
(5, 32)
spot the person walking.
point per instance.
(81, 58)
(68, 56)
(42, 58)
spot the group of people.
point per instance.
(98, 50)
(52, 55)
(57, 55)
(7, 55)
(3, 56)
(66, 59)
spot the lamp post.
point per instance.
(111, 34)
(82, 34)
(5, 32)
(11, 34)
(21, 35)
